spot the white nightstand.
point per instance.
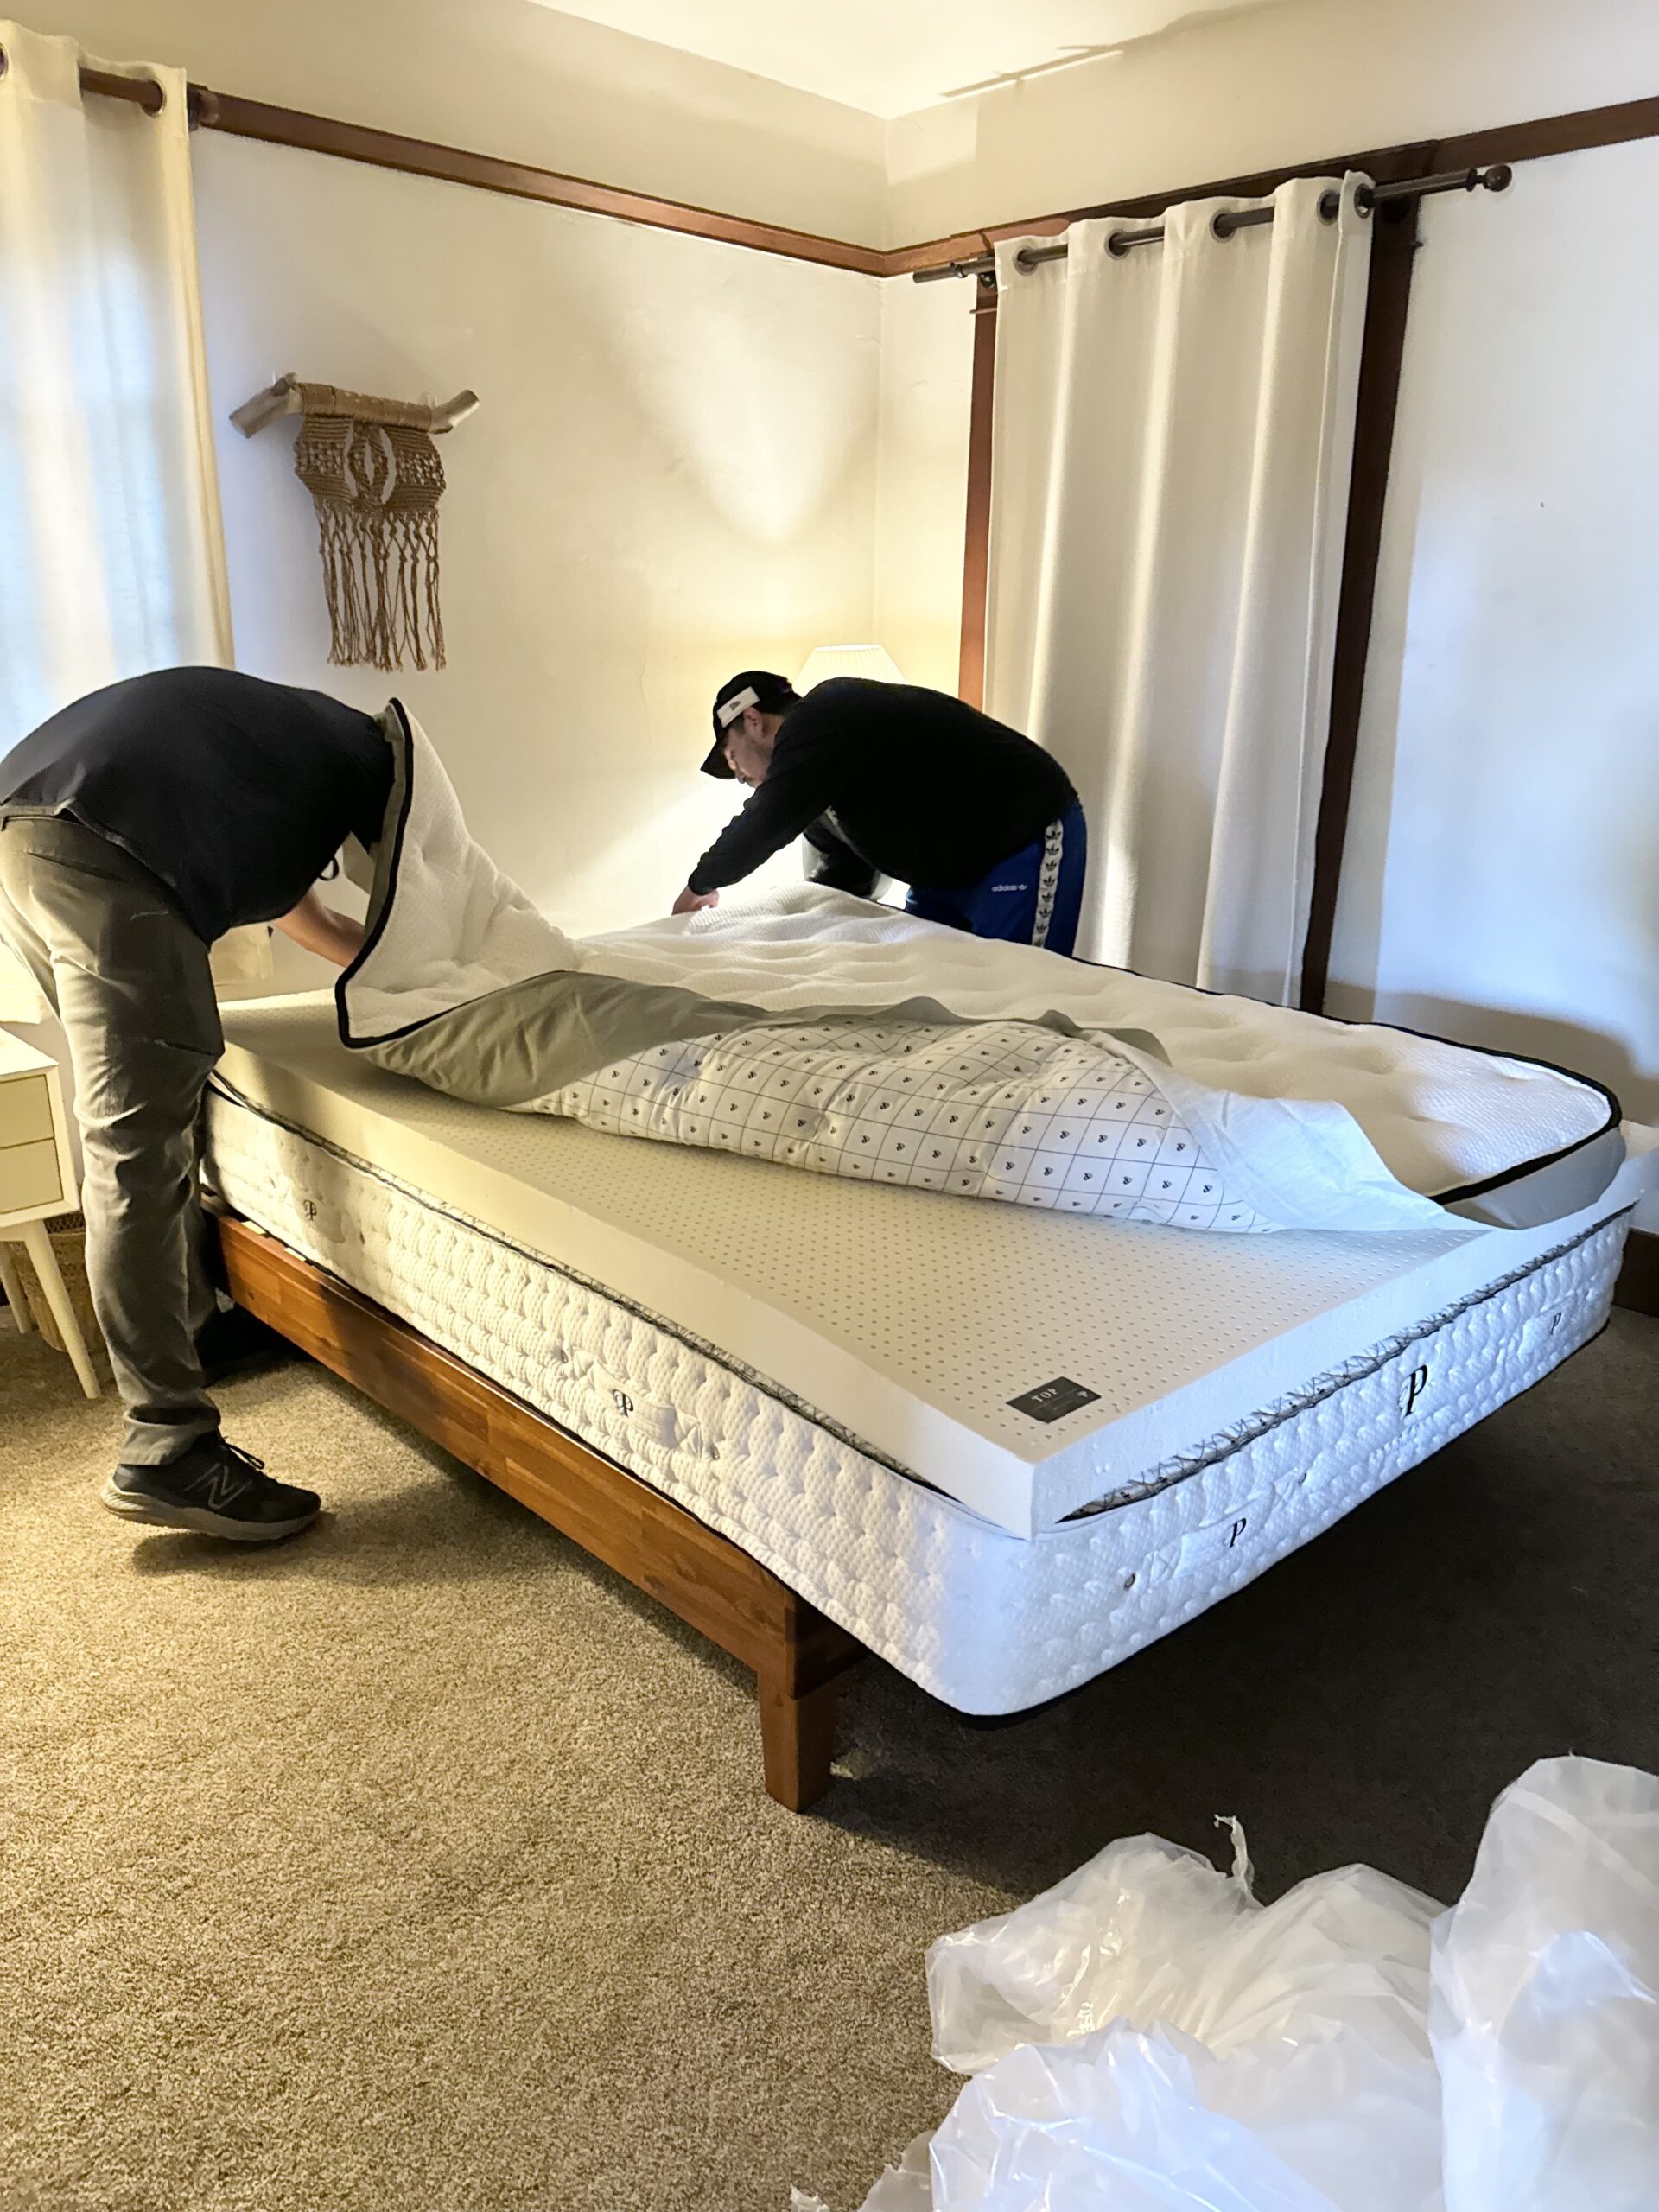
(37, 1180)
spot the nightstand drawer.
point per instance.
(29, 1177)
(25, 1111)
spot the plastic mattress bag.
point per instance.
(1145, 2038)
(1545, 2012)
(1155, 1935)
(1150, 2121)
(1229, 2055)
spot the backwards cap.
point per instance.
(751, 687)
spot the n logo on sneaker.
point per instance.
(220, 1485)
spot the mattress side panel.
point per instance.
(986, 1621)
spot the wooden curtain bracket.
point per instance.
(289, 396)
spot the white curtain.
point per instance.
(1173, 436)
(111, 554)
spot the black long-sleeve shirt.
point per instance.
(890, 779)
(236, 793)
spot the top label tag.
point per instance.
(1054, 1400)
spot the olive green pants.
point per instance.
(130, 980)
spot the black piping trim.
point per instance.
(1328, 1384)
(1615, 1110)
(1549, 1159)
(342, 1018)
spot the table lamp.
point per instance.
(824, 661)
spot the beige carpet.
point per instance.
(419, 1865)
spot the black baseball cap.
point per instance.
(751, 687)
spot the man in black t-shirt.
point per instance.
(137, 827)
(887, 779)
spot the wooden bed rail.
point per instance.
(797, 1654)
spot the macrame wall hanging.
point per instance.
(375, 480)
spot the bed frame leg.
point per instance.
(798, 1740)
(797, 1692)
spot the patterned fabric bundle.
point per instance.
(1001, 1110)
(375, 478)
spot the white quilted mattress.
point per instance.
(1246, 1393)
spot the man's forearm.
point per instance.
(333, 937)
(775, 817)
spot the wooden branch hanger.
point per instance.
(289, 396)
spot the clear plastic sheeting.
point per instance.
(1545, 2013)
(1153, 1935)
(1149, 2121)
(1146, 2037)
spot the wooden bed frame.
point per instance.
(798, 1656)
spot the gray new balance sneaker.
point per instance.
(215, 1489)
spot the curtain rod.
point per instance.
(1498, 178)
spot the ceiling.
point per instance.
(890, 57)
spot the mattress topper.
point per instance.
(1026, 1364)
(1313, 1123)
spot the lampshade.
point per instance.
(847, 660)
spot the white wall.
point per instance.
(926, 365)
(1502, 878)
(505, 77)
(1281, 84)
(673, 473)
(673, 470)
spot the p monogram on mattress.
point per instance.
(650, 1421)
(1237, 1531)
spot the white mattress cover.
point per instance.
(990, 1622)
(909, 1319)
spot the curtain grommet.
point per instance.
(1116, 245)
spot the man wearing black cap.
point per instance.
(889, 779)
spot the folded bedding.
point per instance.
(996, 1109)
(829, 1033)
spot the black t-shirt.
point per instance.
(234, 792)
(890, 779)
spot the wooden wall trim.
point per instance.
(356, 141)
(386, 149)
(1517, 141)
(1387, 301)
(976, 561)
(1552, 133)
(520, 180)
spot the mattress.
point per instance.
(797, 1367)
(1026, 1364)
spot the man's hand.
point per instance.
(690, 900)
(321, 930)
